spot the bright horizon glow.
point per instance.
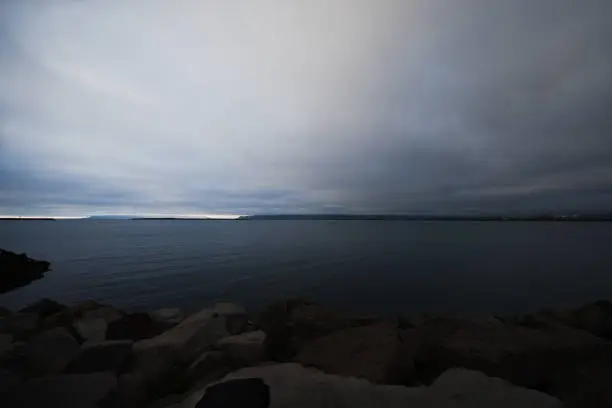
(41, 216)
(213, 216)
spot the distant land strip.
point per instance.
(383, 217)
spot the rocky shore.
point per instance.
(17, 270)
(297, 353)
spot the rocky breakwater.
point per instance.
(17, 270)
(297, 353)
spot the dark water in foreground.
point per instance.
(385, 267)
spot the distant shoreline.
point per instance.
(28, 219)
(425, 218)
(343, 217)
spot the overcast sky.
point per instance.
(267, 106)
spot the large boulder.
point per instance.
(192, 336)
(167, 318)
(468, 388)
(135, 326)
(44, 307)
(535, 358)
(244, 349)
(595, 318)
(210, 366)
(292, 323)
(103, 356)
(370, 352)
(90, 314)
(17, 270)
(66, 391)
(50, 352)
(203, 339)
(20, 325)
(291, 385)
(91, 329)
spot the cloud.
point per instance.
(357, 106)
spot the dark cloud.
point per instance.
(398, 106)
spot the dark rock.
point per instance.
(9, 379)
(528, 357)
(80, 308)
(369, 352)
(290, 324)
(108, 313)
(244, 349)
(6, 346)
(50, 352)
(210, 365)
(167, 318)
(4, 312)
(17, 270)
(135, 326)
(161, 370)
(64, 318)
(240, 393)
(44, 308)
(131, 391)
(20, 325)
(65, 391)
(236, 324)
(103, 356)
(203, 339)
(595, 318)
(91, 329)
(365, 320)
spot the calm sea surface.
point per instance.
(386, 267)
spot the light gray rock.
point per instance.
(202, 340)
(66, 391)
(167, 318)
(91, 328)
(102, 356)
(244, 349)
(19, 324)
(50, 352)
(176, 337)
(190, 338)
(292, 385)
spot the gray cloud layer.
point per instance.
(304, 106)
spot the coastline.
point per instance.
(138, 359)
